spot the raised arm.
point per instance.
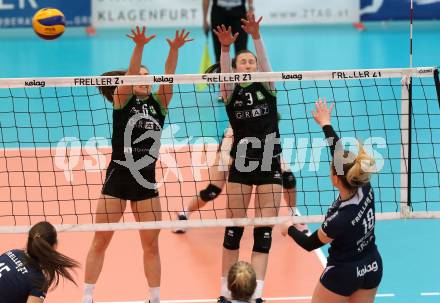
(205, 7)
(165, 91)
(121, 94)
(225, 38)
(252, 27)
(322, 116)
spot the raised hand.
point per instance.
(179, 40)
(139, 37)
(322, 113)
(225, 36)
(251, 26)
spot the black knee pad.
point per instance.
(262, 239)
(233, 236)
(210, 193)
(289, 180)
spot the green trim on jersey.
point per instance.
(125, 104)
(163, 110)
(273, 92)
(246, 84)
(266, 85)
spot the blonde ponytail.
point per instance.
(357, 171)
(242, 281)
(360, 173)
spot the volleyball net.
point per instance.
(55, 145)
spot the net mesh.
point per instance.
(55, 145)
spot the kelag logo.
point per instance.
(286, 76)
(35, 83)
(163, 79)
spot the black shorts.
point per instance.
(346, 278)
(120, 183)
(258, 176)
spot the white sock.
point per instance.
(258, 293)
(88, 293)
(88, 289)
(224, 291)
(292, 211)
(154, 294)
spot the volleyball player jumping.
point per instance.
(256, 149)
(138, 109)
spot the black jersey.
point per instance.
(19, 280)
(143, 117)
(350, 223)
(252, 112)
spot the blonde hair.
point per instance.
(242, 281)
(353, 170)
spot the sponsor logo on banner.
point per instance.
(425, 71)
(378, 10)
(103, 81)
(127, 13)
(286, 76)
(163, 79)
(356, 74)
(172, 13)
(19, 13)
(35, 83)
(219, 78)
(307, 11)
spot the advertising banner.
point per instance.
(19, 13)
(177, 13)
(152, 13)
(380, 10)
(283, 12)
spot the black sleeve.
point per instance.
(35, 281)
(332, 137)
(309, 243)
(335, 225)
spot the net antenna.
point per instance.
(406, 150)
(411, 17)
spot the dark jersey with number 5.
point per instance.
(350, 223)
(252, 112)
(19, 280)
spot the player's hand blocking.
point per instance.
(225, 36)
(138, 36)
(179, 40)
(322, 113)
(251, 26)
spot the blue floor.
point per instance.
(410, 249)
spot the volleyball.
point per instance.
(49, 23)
